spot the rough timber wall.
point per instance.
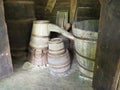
(5, 58)
(88, 9)
(107, 68)
(40, 8)
(41, 13)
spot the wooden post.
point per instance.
(5, 57)
(108, 51)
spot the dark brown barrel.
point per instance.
(19, 9)
(19, 17)
(19, 33)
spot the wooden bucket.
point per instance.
(60, 61)
(86, 35)
(40, 33)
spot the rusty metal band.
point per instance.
(85, 67)
(84, 56)
(50, 54)
(58, 55)
(64, 63)
(88, 39)
(62, 71)
(19, 2)
(52, 42)
(57, 50)
(40, 36)
(85, 75)
(31, 47)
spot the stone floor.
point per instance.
(41, 79)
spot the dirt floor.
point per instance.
(42, 79)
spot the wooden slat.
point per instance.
(73, 6)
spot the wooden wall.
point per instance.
(107, 70)
(86, 9)
(40, 8)
(61, 5)
(5, 58)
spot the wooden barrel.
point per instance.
(19, 33)
(19, 9)
(40, 33)
(60, 61)
(19, 17)
(86, 35)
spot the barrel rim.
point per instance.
(54, 41)
(82, 38)
(75, 27)
(41, 21)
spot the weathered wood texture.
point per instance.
(19, 17)
(87, 9)
(61, 5)
(108, 52)
(40, 8)
(41, 13)
(86, 35)
(5, 58)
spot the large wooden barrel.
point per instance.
(58, 57)
(19, 17)
(86, 35)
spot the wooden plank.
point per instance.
(62, 18)
(50, 5)
(73, 6)
(108, 51)
(5, 57)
